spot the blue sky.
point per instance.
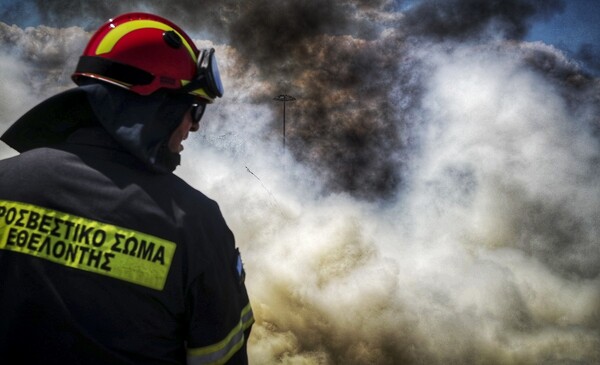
(578, 25)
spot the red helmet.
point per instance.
(144, 52)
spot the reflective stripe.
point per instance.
(247, 317)
(115, 34)
(222, 351)
(85, 244)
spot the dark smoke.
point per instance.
(471, 19)
(344, 123)
(590, 56)
(317, 51)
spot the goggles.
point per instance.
(208, 78)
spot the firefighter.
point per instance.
(106, 256)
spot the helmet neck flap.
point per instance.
(142, 125)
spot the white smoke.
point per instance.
(488, 254)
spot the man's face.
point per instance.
(181, 133)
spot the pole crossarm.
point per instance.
(284, 98)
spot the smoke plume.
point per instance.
(439, 198)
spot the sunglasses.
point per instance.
(208, 77)
(198, 111)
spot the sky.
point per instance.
(575, 30)
(438, 199)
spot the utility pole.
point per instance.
(284, 98)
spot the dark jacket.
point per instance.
(105, 262)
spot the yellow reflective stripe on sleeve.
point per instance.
(247, 317)
(222, 351)
(85, 244)
(114, 35)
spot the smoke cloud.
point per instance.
(439, 199)
(463, 19)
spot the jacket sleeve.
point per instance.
(220, 313)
